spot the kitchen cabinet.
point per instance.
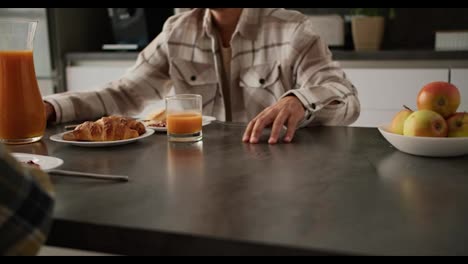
(92, 77)
(459, 77)
(383, 91)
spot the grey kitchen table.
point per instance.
(334, 190)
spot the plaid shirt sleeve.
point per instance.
(147, 80)
(322, 86)
(26, 204)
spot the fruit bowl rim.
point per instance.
(385, 128)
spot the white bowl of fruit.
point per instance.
(436, 129)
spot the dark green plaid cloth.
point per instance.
(26, 204)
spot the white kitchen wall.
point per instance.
(459, 77)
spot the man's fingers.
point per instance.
(260, 124)
(292, 125)
(248, 131)
(277, 126)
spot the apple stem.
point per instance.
(407, 108)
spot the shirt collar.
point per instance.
(246, 27)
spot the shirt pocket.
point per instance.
(261, 85)
(195, 78)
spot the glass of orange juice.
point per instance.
(184, 117)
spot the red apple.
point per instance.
(425, 123)
(398, 121)
(458, 125)
(440, 97)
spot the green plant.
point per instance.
(386, 12)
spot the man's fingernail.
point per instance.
(253, 140)
(287, 139)
(271, 141)
(245, 139)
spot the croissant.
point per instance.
(107, 129)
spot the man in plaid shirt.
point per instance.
(26, 203)
(262, 65)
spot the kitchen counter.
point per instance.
(414, 55)
(338, 55)
(334, 190)
(387, 58)
(402, 59)
(96, 56)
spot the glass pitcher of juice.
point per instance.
(22, 113)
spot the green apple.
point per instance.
(398, 121)
(425, 123)
(458, 125)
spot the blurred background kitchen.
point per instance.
(388, 53)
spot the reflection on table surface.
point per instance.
(36, 148)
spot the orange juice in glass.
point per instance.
(22, 113)
(184, 117)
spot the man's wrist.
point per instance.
(50, 112)
(291, 94)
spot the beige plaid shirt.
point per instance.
(275, 53)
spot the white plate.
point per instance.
(59, 138)
(206, 120)
(45, 162)
(426, 146)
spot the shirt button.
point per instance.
(193, 78)
(313, 106)
(261, 81)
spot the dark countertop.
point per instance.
(334, 190)
(346, 55)
(109, 55)
(341, 55)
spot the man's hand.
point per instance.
(50, 112)
(288, 111)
